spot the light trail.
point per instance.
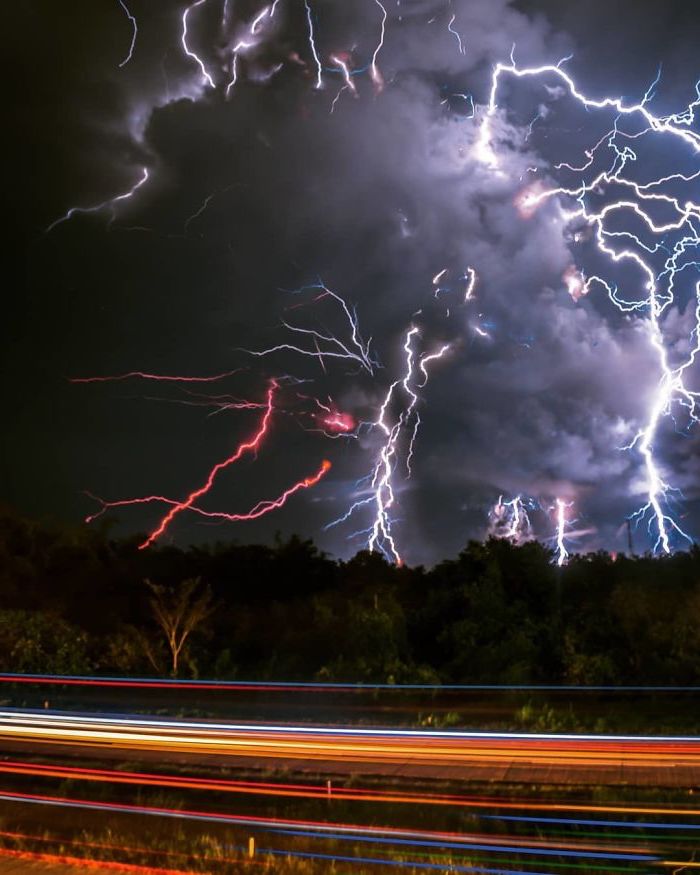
(82, 863)
(358, 794)
(298, 686)
(353, 832)
(437, 749)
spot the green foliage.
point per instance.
(72, 601)
(38, 642)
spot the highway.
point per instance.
(360, 798)
(429, 753)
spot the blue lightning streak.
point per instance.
(135, 30)
(111, 203)
(636, 200)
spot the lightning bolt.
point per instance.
(248, 446)
(206, 77)
(355, 349)
(633, 201)
(135, 30)
(339, 62)
(397, 413)
(510, 520)
(260, 509)
(456, 35)
(312, 44)
(470, 277)
(374, 73)
(562, 553)
(111, 203)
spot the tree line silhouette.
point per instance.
(74, 600)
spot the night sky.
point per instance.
(253, 197)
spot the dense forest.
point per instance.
(75, 600)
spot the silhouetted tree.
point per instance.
(179, 611)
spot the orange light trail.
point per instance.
(325, 744)
(320, 791)
(82, 863)
(349, 831)
(107, 846)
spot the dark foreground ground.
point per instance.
(179, 795)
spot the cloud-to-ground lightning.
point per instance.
(562, 552)
(398, 415)
(640, 225)
(621, 198)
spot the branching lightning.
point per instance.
(328, 346)
(258, 510)
(398, 415)
(643, 226)
(623, 198)
(511, 520)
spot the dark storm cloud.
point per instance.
(376, 197)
